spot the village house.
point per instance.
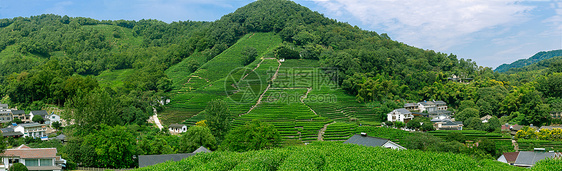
(41, 113)
(527, 158)
(149, 160)
(20, 114)
(6, 116)
(32, 158)
(52, 118)
(9, 132)
(177, 128)
(363, 139)
(32, 129)
(444, 122)
(486, 118)
(401, 115)
(4, 107)
(411, 107)
(428, 106)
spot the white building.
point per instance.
(32, 129)
(177, 128)
(32, 158)
(52, 118)
(401, 115)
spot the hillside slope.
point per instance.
(533, 59)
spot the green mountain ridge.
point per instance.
(543, 55)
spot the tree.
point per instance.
(89, 110)
(422, 141)
(399, 124)
(534, 110)
(474, 123)
(18, 167)
(195, 137)
(249, 54)
(113, 147)
(18, 120)
(255, 135)
(487, 145)
(57, 125)
(467, 104)
(218, 118)
(493, 124)
(455, 136)
(286, 53)
(466, 113)
(38, 119)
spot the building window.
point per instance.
(46, 162)
(31, 162)
(13, 161)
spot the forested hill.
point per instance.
(533, 59)
(86, 46)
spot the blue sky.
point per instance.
(490, 32)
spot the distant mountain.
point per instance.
(533, 59)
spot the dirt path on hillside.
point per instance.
(321, 132)
(154, 118)
(263, 93)
(515, 145)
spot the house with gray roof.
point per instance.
(401, 115)
(6, 116)
(363, 139)
(149, 160)
(177, 128)
(527, 158)
(4, 107)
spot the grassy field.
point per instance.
(113, 78)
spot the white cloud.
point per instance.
(433, 24)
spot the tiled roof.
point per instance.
(17, 112)
(202, 150)
(440, 102)
(510, 157)
(148, 160)
(26, 152)
(4, 105)
(529, 158)
(176, 125)
(403, 111)
(39, 112)
(366, 140)
(31, 125)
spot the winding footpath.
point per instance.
(154, 118)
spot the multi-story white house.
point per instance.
(32, 129)
(4, 107)
(32, 158)
(401, 115)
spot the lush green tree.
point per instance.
(474, 123)
(249, 54)
(18, 167)
(467, 113)
(399, 124)
(421, 123)
(456, 136)
(57, 125)
(38, 119)
(534, 110)
(193, 65)
(285, 52)
(255, 135)
(467, 104)
(154, 144)
(218, 118)
(493, 124)
(89, 110)
(195, 137)
(114, 147)
(17, 120)
(422, 141)
(487, 146)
